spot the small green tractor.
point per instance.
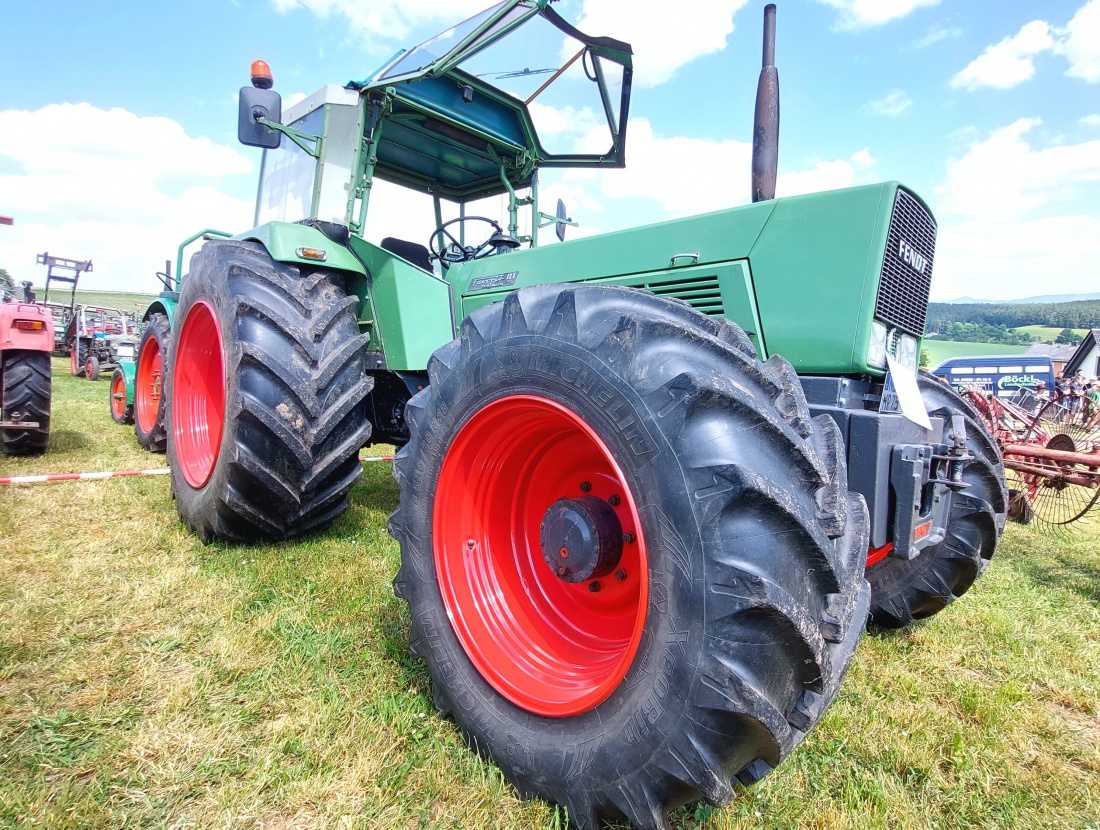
(639, 546)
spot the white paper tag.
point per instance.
(905, 385)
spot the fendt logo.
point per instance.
(911, 257)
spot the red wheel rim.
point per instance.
(149, 385)
(551, 647)
(89, 368)
(118, 397)
(198, 394)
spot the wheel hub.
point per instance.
(581, 539)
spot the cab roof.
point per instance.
(515, 85)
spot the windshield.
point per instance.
(558, 79)
(433, 49)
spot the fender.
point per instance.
(284, 240)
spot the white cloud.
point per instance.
(1008, 63)
(664, 38)
(1081, 46)
(703, 175)
(866, 14)
(936, 34)
(124, 195)
(1017, 258)
(390, 20)
(825, 175)
(1005, 177)
(1092, 120)
(1012, 213)
(892, 104)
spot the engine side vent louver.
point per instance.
(907, 266)
(702, 293)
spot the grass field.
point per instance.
(1047, 333)
(148, 681)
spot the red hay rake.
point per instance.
(1051, 454)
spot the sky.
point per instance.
(118, 121)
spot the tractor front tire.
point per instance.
(631, 559)
(26, 397)
(91, 368)
(121, 412)
(266, 396)
(149, 388)
(903, 590)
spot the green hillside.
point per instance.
(126, 301)
(1047, 334)
(940, 350)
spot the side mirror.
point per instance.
(256, 104)
(563, 218)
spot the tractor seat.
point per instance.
(413, 252)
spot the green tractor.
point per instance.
(639, 546)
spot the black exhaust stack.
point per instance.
(765, 127)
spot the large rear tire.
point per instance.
(266, 391)
(906, 590)
(149, 389)
(631, 559)
(25, 397)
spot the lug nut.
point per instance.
(628, 537)
(561, 571)
(620, 574)
(613, 500)
(563, 553)
(470, 543)
(594, 587)
(586, 486)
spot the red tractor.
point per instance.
(26, 341)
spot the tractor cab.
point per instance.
(473, 112)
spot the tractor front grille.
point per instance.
(907, 266)
(701, 293)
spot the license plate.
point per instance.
(126, 350)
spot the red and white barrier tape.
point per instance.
(162, 471)
(159, 471)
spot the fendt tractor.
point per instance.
(639, 547)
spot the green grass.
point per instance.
(1047, 333)
(148, 681)
(940, 350)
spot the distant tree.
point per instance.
(7, 285)
(1068, 336)
(923, 361)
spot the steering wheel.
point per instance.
(446, 248)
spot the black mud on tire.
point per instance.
(26, 397)
(295, 386)
(756, 591)
(906, 590)
(152, 435)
